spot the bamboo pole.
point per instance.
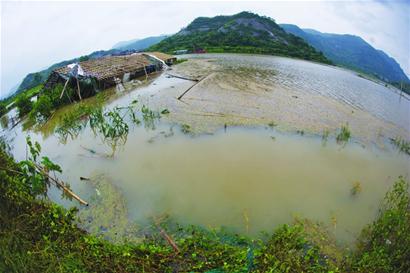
(183, 78)
(61, 184)
(65, 85)
(192, 86)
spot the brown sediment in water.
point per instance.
(247, 95)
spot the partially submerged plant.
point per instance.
(72, 123)
(149, 117)
(401, 144)
(186, 129)
(325, 136)
(344, 134)
(272, 124)
(165, 111)
(111, 126)
(356, 188)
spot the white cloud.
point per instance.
(35, 35)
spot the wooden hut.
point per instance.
(107, 71)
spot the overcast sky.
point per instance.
(35, 35)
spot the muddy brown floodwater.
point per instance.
(248, 176)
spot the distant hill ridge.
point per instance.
(139, 44)
(352, 52)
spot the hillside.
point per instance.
(139, 44)
(243, 32)
(352, 52)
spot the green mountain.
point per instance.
(139, 44)
(243, 32)
(352, 52)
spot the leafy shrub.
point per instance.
(401, 144)
(344, 134)
(24, 105)
(384, 244)
(42, 108)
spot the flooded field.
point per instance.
(297, 95)
(200, 164)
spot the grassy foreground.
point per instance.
(37, 235)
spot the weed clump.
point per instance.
(356, 188)
(165, 112)
(344, 134)
(272, 124)
(186, 129)
(384, 245)
(325, 136)
(401, 144)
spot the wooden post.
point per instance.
(78, 89)
(146, 76)
(65, 85)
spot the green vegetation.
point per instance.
(344, 134)
(241, 33)
(111, 125)
(149, 116)
(186, 129)
(24, 105)
(72, 123)
(356, 188)
(384, 245)
(16, 97)
(325, 136)
(401, 144)
(272, 124)
(3, 109)
(165, 112)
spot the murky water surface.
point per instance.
(248, 179)
(341, 84)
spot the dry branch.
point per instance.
(168, 239)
